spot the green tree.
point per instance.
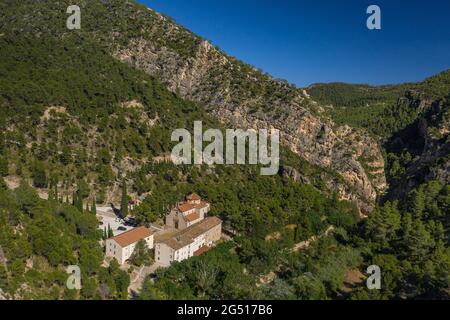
(78, 200)
(3, 185)
(418, 202)
(3, 166)
(417, 241)
(66, 155)
(110, 231)
(91, 258)
(94, 207)
(308, 287)
(39, 176)
(384, 223)
(278, 290)
(150, 292)
(124, 200)
(141, 254)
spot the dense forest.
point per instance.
(382, 110)
(76, 123)
(78, 126)
(408, 240)
(39, 238)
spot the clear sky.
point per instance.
(313, 41)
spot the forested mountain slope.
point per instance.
(410, 120)
(39, 239)
(381, 110)
(85, 111)
(231, 91)
(77, 123)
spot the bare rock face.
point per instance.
(291, 173)
(242, 97)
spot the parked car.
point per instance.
(122, 228)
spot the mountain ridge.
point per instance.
(235, 93)
(84, 127)
(250, 99)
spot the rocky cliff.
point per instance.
(242, 97)
(237, 94)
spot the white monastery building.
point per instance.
(192, 241)
(188, 232)
(122, 246)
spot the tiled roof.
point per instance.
(132, 236)
(186, 236)
(192, 217)
(201, 250)
(201, 205)
(165, 235)
(193, 196)
(183, 207)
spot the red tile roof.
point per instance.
(193, 196)
(182, 238)
(185, 206)
(132, 236)
(192, 217)
(201, 205)
(201, 250)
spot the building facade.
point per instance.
(191, 241)
(122, 246)
(187, 213)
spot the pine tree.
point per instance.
(417, 241)
(3, 166)
(297, 233)
(418, 203)
(2, 184)
(56, 192)
(124, 201)
(39, 176)
(94, 207)
(383, 224)
(79, 200)
(110, 231)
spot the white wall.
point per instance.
(150, 241)
(163, 254)
(113, 249)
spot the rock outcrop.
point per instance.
(242, 97)
(237, 94)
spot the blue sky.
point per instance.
(307, 42)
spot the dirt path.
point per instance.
(138, 277)
(307, 243)
(267, 278)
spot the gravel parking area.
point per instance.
(107, 216)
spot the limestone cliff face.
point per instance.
(242, 97)
(237, 94)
